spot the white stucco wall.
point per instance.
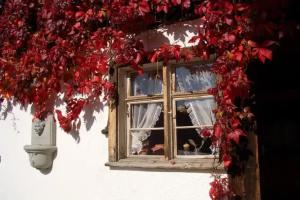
(78, 171)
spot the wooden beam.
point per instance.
(252, 179)
(204, 165)
(122, 134)
(112, 126)
(112, 134)
(167, 113)
(247, 185)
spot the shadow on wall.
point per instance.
(179, 33)
(6, 109)
(88, 117)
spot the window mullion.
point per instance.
(167, 114)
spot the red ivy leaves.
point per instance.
(74, 108)
(227, 161)
(235, 135)
(220, 189)
(206, 133)
(64, 53)
(227, 33)
(143, 7)
(134, 63)
(261, 51)
(167, 52)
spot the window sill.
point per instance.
(161, 164)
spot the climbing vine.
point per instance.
(54, 50)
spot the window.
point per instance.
(160, 117)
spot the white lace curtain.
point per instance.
(200, 110)
(198, 80)
(144, 116)
(147, 114)
(147, 84)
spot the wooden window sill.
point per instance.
(203, 164)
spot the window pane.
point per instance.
(152, 145)
(195, 78)
(147, 115)
(189, 142)
(197, 112)
(149, 83)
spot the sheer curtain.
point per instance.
(147, 84)
(147, 114)
(200, 110)
(198, 80)
(144, 116)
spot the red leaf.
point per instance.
(241, 7)
(206, 133)
(228, 21)
(229, 37)
(196, 38)
(157, 147)
(235, 123)
(165, 8)
(77, 25)
(138, 58)
(186, 3)
(176, 52)
(252, 44)
(217, 131)
(102, 67)
(213, 41)
(108, 86)
(228, 7)
(205, 55)
(79, 15)
(235, 135)
(162, 7)
(176, 2)
(96, 79)
(154, 56)
(238, 56)
(212, 91)
(264, 54)
(226, 161)
(68, 90)
(65, 124)
(137, 68)
(144, 8)
(187, 54)
(260, 51)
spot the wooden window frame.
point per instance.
(118, 156)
